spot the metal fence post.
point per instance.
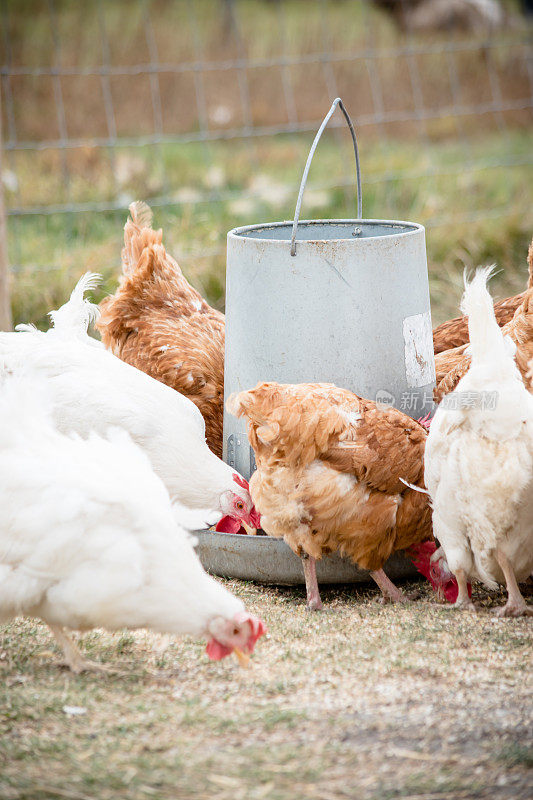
(6, 322)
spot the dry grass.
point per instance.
(262, 30)
(365, 701)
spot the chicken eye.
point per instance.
(235, 631)
(240, 505)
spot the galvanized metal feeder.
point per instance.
(336, 301)
(267, 560)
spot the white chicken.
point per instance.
(91, 389)
(479, 462)
(89, 538)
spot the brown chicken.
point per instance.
(158, 323)
(454, 332)
(329, 477)
(451, 365)
(446, 362)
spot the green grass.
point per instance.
(443, 173)
(194, 232)
(367, 701)
(517, 755)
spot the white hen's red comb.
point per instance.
(425, 421)
(242, 482)
(257, 625)
(217, 651)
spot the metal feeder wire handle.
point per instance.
(337, 102)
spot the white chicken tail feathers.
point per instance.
(414, 487)
(86, 283)
(141, 214)
(75, 316)
(486, 338)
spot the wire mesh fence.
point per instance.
(206, 109)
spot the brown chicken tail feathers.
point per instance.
(530, 265)
(138, 235)
(141, 214)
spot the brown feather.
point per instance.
(520, 329)
(328, 475)
(454, 332)
(158, 323)
(447, 361)
(452, 365)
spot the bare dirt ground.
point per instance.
(363, 701)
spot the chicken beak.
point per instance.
(243, 658)
(250, 531)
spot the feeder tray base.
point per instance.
(267, 560)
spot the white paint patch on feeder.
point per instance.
(419, 360)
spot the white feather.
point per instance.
(89, 537)
(75, 316)
(414, 487)
(479, 457)
(91, 390)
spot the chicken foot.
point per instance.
(73, 658)
(463, 600)
(516, 605)
(314, 603)
(389, 590)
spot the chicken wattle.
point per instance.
(217, 650)
(90, 538)
(230, 525)
(431, 562)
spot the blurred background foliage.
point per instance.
(207, 110)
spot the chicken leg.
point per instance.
(314, 603)
(516, 605)
(389, 590)
(73, 658)
(463, 600)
